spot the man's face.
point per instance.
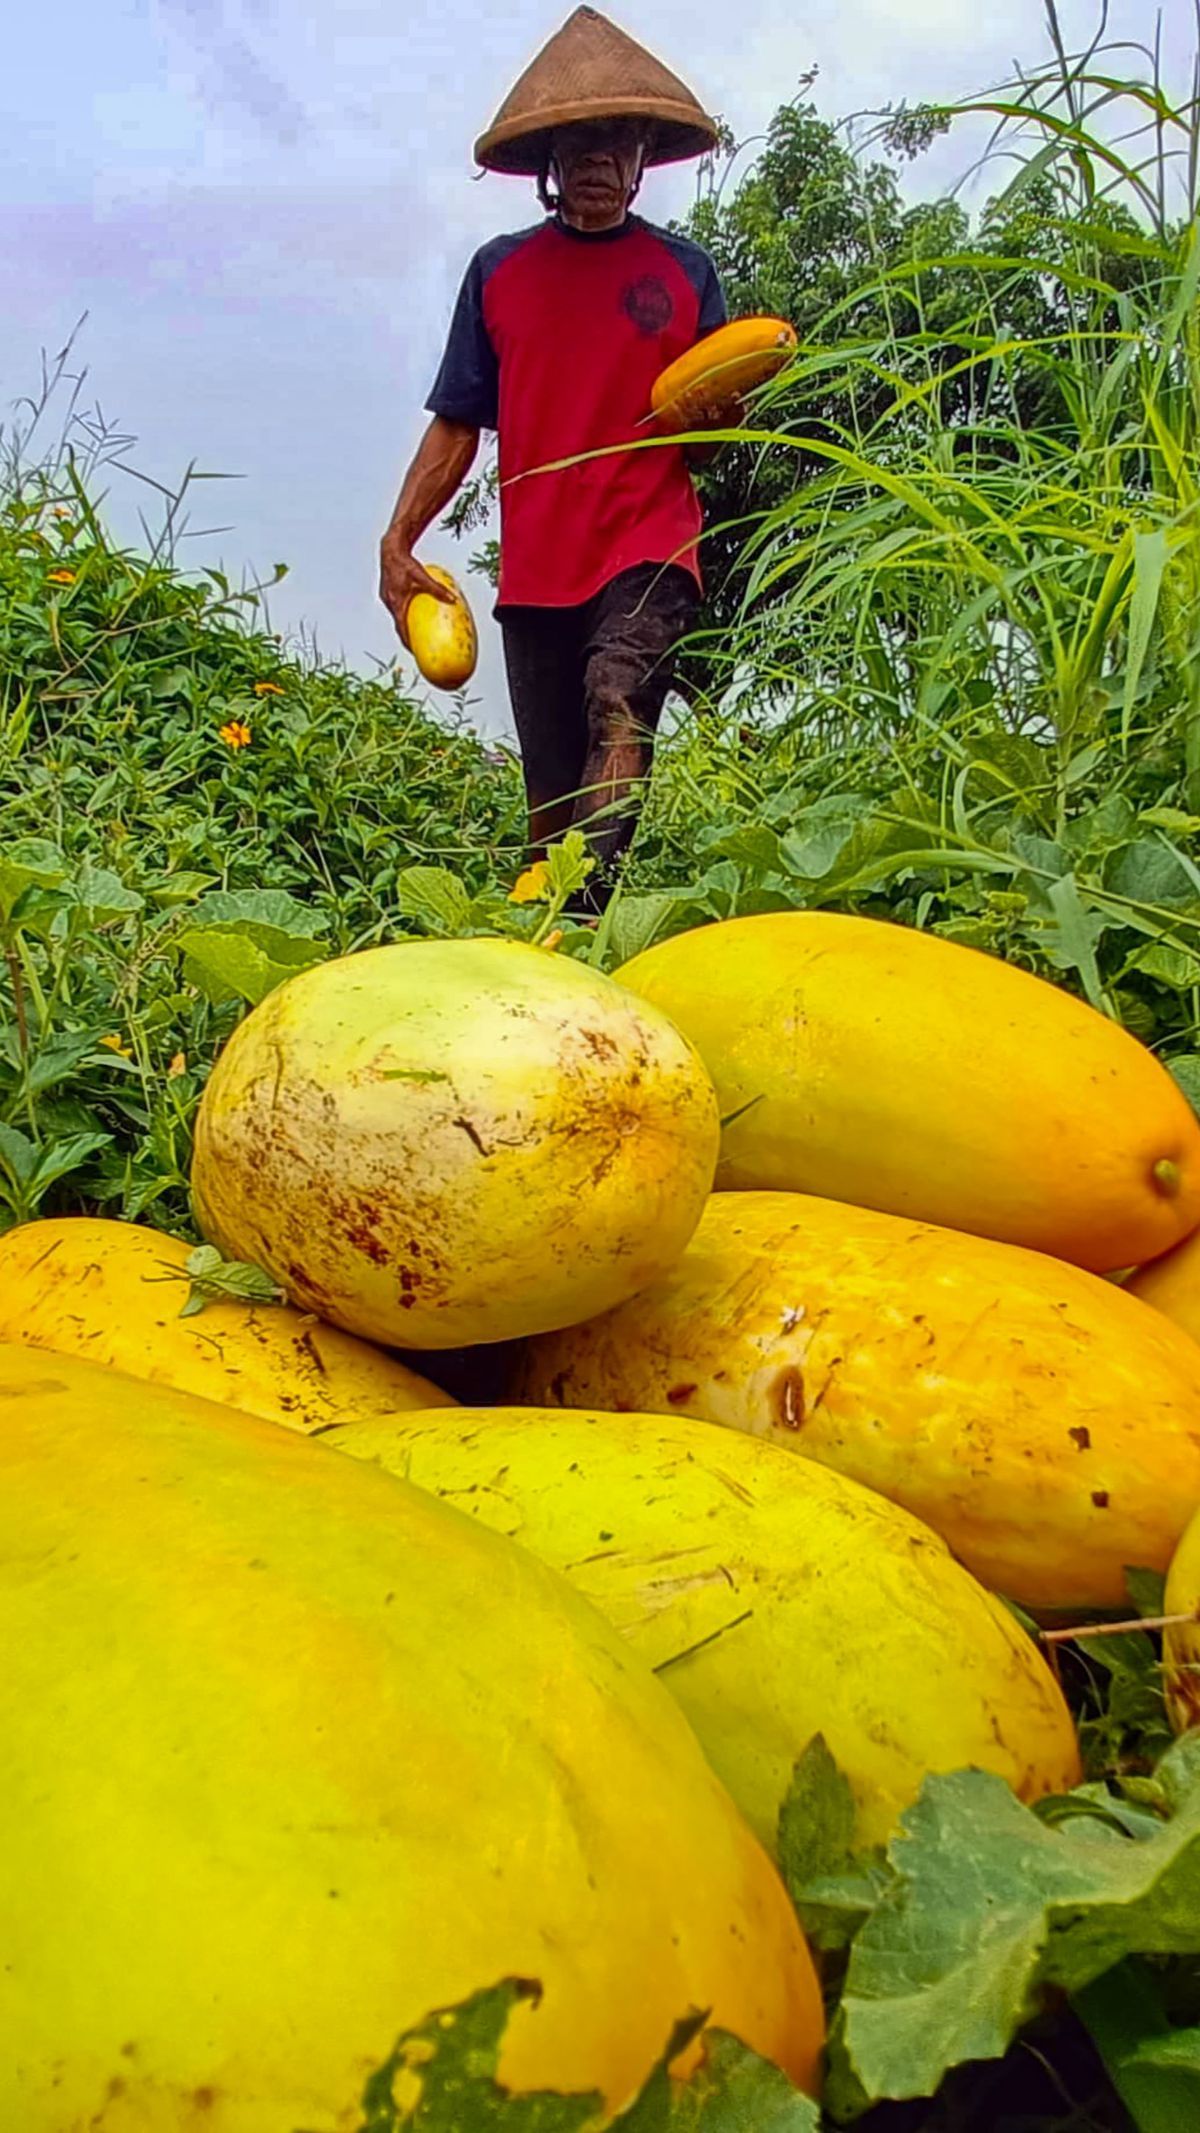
(597, 162)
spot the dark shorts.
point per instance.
(587, 686)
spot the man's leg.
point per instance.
(543, 658)
(634, 627)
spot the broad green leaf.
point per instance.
(435, 898)
(568, 865)
(1154, 2068)
(18, 1155)
(637, 921)
(441, 2078)
(1150, 872)
(1186, 1070)
(104, 896)
(988, 1906)
(252, 910)
(225, 964)
(1169, 964)
(820, 834)
(31, 861)
(60, 1157)
(1072, 936)
(816, 1819)
(180, 888)
(212, 1276)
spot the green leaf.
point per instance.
(18, 1155)
(30, 862)
(227, 965)
(568, 865)
(1186, 1070)
(1151, 872)
(104, 896)
(212, 1276)
(1169, 964)
(1072, 935)
(1154, 2068)
(441, 2078)
(638, 921)
(435, 898)
(816, 1819)
(988, 1906)
(260, 911)
(1150, 556)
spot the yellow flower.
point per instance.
(61, 577)
(177, 1067)
(267, 688)
(552, 940)
(235, 735)
(531, 887)
(62, 511)
(115, 1043)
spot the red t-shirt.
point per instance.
(556, 340)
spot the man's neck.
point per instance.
(589, 227)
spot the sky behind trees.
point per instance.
(264, 207)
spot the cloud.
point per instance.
(235, 75)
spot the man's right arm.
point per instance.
(441, 464)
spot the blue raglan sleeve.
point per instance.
(713, 309)
(466, 388)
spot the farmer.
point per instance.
(557, 337)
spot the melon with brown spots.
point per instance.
(1044, 1423)
(443, 1143)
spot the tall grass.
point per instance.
(967, 652)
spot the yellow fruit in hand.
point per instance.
(441, 634)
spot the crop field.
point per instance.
(863, 1124)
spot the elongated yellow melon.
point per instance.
(709, 379)
(1046, 1424)
(450, 1142)
(879, 1065)
(291, 1754)
(441, 633)
(1181, 1643)
(859, 1624)
(112, 1293)
(773, 1598)
(1172, 1284)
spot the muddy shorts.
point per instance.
(587, 686)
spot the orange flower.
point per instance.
(531, 887)
(61, 577)
(115, 1043)
(553, 940)
(235, 735)
(267, 688)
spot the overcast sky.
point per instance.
(265, 207)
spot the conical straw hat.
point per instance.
(589, 70)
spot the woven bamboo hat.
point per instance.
(590, 69)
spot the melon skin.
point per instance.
(882, 1066)
(1043, 1422)
(441, 633)
(446, 1143)
(292, 1754)
(1172, 1285)
(112, 1293)
(804, 1603)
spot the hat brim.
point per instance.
(676, 136)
